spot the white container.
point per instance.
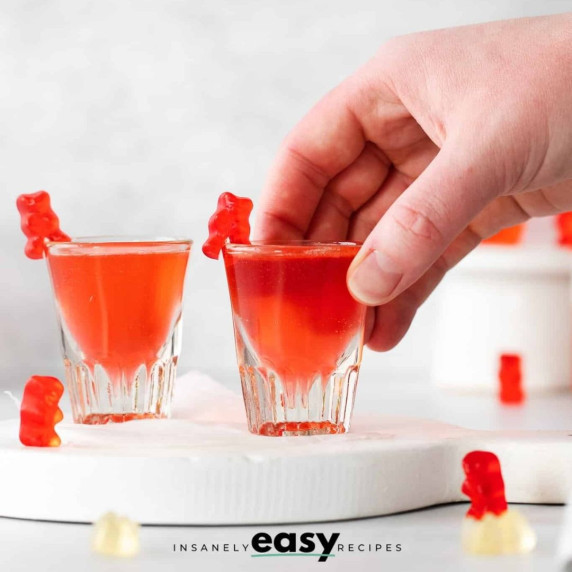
(505, 300)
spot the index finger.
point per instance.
(327, 140)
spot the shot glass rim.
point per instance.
(117, 240)
(276, 245)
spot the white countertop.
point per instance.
(429, 538)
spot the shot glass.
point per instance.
(298, 333)
(119, 303)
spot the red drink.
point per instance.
(296, 324)
(119, 304)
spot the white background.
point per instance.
(135, 115)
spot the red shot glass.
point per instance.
(298, 332)
(119, 305)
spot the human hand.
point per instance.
(439, 141)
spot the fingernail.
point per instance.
(374, 279)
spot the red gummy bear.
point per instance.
(564, 227)
(483, 484)
(230, 220)
(40, 412)
(510, 378)
(39, 222)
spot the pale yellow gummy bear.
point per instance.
(115, 535)
(508, 533)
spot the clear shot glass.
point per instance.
(298, 333)
(119, 304)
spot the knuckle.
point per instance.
(442, 265)
(339, 203)
(315, 175)
(417, 224)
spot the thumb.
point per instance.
(419, 225)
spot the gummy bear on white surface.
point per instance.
(115, 535)
(508, 533)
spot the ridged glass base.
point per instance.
(98, 398)
(102, 419)
(112, 393)
(278, 407)
(293, 428)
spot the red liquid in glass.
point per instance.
(294, 307)
(119, 301)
